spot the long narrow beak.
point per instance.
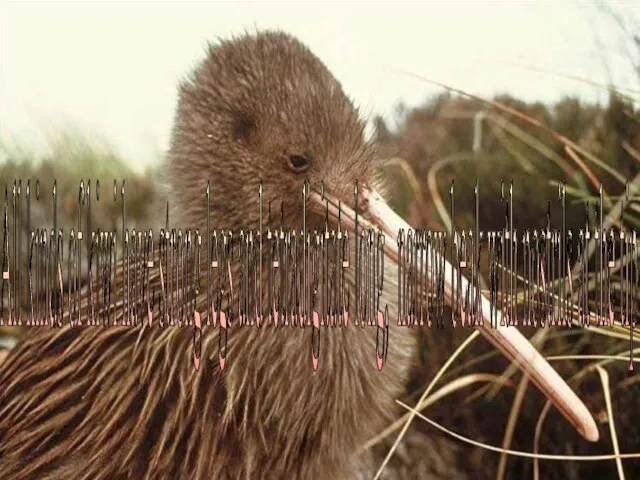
(375, 213)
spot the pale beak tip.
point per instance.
(590, 431)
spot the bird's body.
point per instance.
(118, 402)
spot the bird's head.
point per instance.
(264, 109)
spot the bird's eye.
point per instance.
(298, 163)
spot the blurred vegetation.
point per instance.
(460, 138)
(440, 135)
(72, 158)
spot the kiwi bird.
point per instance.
(119, 402)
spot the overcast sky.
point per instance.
(112, 68)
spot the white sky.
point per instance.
(112, 68)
